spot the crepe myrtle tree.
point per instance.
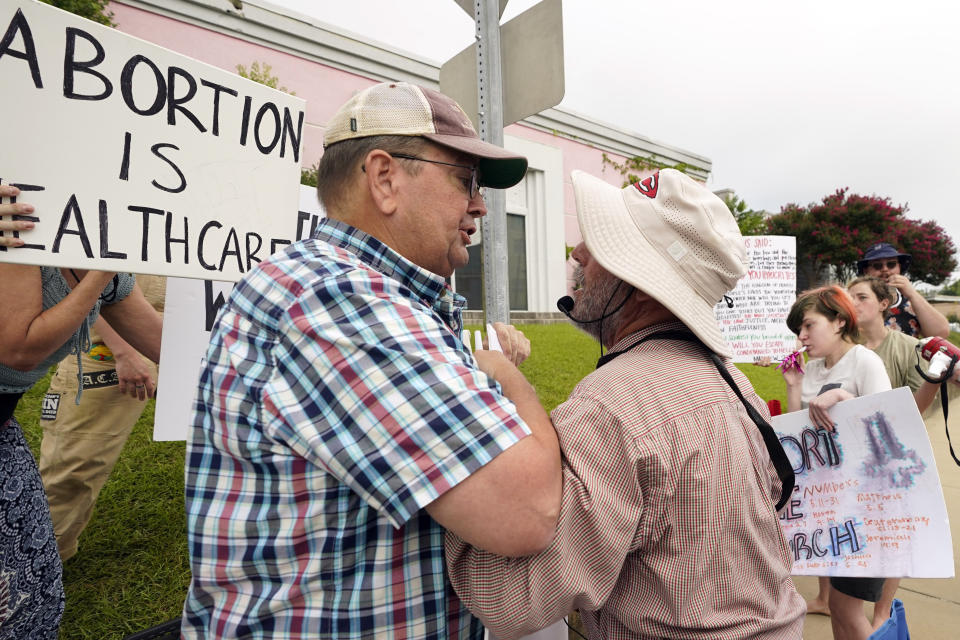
(832, 235)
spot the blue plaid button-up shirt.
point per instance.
(335, 402)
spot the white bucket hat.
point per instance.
(669, 237)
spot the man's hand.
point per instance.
(515, 345)
(820, 406)
(903, 284)
(7, 223)
(135, 376)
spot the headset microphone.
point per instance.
(566, 303)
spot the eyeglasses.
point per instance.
(879, 264)
(471, 184)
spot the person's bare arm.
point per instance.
(794, 380)
(931, 321)
(137, 322)
(29, 333)
(925, 395)
(510, 505)
(134, 376)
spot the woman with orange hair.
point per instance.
(825, 321)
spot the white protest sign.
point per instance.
(756, 325)
(138, 158)
(190, 309)
(868, 500)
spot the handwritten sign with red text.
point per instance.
(868, 500)
(756, 324)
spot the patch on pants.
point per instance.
(100, 379)
(50, 406)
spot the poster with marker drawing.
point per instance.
(868, 499)
(138, 158)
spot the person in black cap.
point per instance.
(910, 312)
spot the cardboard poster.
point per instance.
(756, 325)
(138, 158)
(868, 500)
(190, 309)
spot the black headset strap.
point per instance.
(943, 404)
(944, 401)
(777, 455)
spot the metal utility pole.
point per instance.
(493, 227)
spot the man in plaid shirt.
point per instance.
(668, 527)
(341, 423)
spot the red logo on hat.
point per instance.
(648, 186)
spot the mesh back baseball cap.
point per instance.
(403, 109)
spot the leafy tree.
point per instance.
(933, 251)
(640, 164)
(263, 76)
(309, 176)
(832, 235)
(751, 223)
(95, 10)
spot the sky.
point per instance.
(790, 101)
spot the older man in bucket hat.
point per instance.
(668, 527)
(341, 423)
(910, 313)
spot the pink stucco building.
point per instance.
(325, 66)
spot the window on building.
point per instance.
(467, 280)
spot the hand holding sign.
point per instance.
(510, 341)
(477, 343)
(820, 407)
(14, 217)
(501, 337)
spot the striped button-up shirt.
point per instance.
(335, 402)
(667, 527)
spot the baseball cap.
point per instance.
(404, 109)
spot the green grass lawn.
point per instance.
(132, 570)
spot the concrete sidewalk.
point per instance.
(932, 606)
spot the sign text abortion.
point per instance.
(140, 159)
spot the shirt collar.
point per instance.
(627, 342)
(371, 251)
